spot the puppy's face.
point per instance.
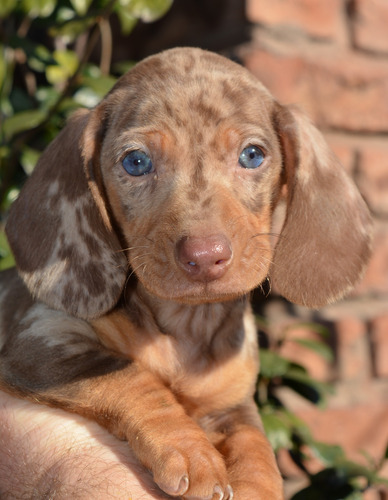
(174, 176)
(191, 166)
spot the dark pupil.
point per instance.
(252, 155)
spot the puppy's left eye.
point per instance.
(137, 163)
(251, 157)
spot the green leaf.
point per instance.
(317, 346)
(47, 97)
(100, 85)
(20, 100)
(22, 121)
(277, 431)
(3, 65)
(281, 426)
(40, 58)
(67, 64)
(272, 364)
(127, 20)
(329, 483)
(313, 327)
(146, 10)
(65, 109)
(86, 97)
(4, 153)
(298, 426)
(353, 470)
(307, 387)
(7, 64)
(122, 67)
(38, 8)
(70, 30)
(356, 495)
(6, 6)
(327, 453)
(28, 159)
(81, 6)
(6, 257)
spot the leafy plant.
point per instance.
(339, 477)
(46, 72)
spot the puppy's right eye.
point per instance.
(251, 157)
(137, 163)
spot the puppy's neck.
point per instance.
(196, 322)
(173, 338)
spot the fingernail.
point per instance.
(218, 491)
(229, 493)
(183, 485)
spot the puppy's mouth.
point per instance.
(204, 269)
(196, 293)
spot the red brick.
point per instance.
(372, 494)
(351, 92)
(315, 364)
(338, 90)
(353, 355)
(344, 152)
(373, 176)
(285, 76)
(370, 24)
(319, 18)
(357, 428)
(376, 277)
(380, 346)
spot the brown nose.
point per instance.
(204, 258)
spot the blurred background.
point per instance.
(323, 390)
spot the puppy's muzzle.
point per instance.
(204, 258)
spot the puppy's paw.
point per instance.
(194, 471)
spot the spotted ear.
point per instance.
(59, 228)
(326, 237)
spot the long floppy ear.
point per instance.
(59, 229)
(326, 237)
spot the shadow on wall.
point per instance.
(217, 25)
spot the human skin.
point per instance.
(46, 453)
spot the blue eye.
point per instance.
(137, 163)
(251, 157)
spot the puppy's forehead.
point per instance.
(189, 87)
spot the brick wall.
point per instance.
(330, 57)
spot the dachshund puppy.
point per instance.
(138, 238)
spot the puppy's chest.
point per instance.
(202, 382)
(204, 374)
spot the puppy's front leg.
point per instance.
(250, 461)
(66, 367)
(134, 405)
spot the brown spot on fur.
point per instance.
(189, 65)
(168, 109)
(47, 367)
(16, 301)
(208, 112)
(199, 181)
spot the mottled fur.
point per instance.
(109, 317)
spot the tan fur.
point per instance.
(183, 366)
(134, 310)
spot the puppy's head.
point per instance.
(175, 177)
